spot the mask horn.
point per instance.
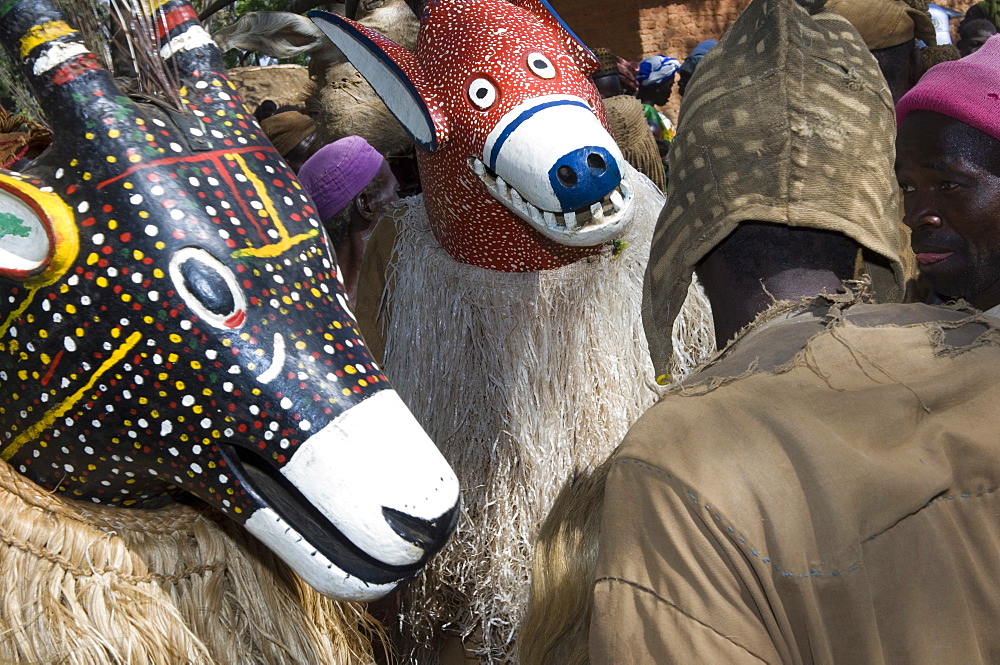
(394, 74)
(65, 75)
(181, 38)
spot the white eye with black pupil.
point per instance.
(208, 287)
(541, 65)
(482, 94)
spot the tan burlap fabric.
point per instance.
(631, 132)
(788, 120)
(607, 58)
(825, 493)
(886, 23)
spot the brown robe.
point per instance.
(826, 492)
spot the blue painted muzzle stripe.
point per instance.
(525, 115)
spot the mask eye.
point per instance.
(208, 287)
(541, 65)
(482, 94)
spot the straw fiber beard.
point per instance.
(89, 585)
(521, 379)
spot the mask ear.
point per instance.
(38, 238)
(583, 56)
(394, 74)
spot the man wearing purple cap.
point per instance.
(948, 166)
(351, 184)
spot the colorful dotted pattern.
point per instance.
(464, 40)
(116, 385)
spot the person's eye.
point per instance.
(906, 188)
(947, 184)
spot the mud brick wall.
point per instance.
(636, 28)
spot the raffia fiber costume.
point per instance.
(181, 584)
(823, 491)
(531, 377)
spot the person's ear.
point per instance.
(363, 206)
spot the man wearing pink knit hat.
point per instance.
(948, 166)
(352, 184)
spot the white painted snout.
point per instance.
(551, 163)
(535, 135)
(372, 459)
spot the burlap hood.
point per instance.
(788, 120)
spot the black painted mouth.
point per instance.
(270, 488)
(428, 535)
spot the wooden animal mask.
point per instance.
(172, 320)
(518, 169)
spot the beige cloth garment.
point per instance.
(287, 130)
(825, 492)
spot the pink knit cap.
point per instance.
(967, 90)
(338, 172)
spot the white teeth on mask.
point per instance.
(597, 211)
(536, 215)
(517, 200)
(588, 226)
(616, 200)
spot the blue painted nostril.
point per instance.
(597, 164)
(583, 177)
(566, 175)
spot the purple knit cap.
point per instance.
(338, 172)
(967, 90)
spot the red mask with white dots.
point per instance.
(518, 169)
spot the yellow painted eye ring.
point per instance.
(59, 223)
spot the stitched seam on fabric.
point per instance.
(730, 532)
(663, 600)
(932, 502)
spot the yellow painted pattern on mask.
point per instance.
(42, 33)
(286, 242)
(60, 410)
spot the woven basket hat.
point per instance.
(887, 23)
(787, 120)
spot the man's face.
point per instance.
(683, 76)
(949, 175)
(972, 43)
(658, 94)
(388, 191)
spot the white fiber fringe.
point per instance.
(521, 379)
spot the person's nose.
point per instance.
(922, 213)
